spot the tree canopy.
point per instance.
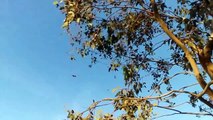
(139, 37)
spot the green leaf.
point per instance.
(55, 3)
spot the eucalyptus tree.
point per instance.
(156, 37)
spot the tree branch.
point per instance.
(96, 104)
(180, 112)
(206, 102)
(205, 89)
(167, 79)
(205, 58)
(183, 47)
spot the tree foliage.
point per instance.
(142, 37)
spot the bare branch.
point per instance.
(180, 73)
(180, 112)
(206, 102)
(169, 78)
(205, 89)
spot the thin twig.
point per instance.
(179, 112)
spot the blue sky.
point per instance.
(36, 80)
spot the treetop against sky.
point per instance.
(127, 38)
(131, 35)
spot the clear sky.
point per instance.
(36, 80)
